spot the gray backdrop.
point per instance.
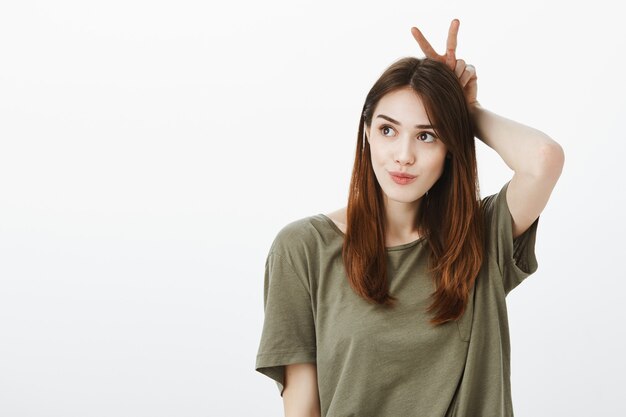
(150, 152)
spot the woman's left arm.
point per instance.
(536, 159)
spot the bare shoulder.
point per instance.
(339, 218)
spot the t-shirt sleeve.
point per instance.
(288, 334)
(515, 258)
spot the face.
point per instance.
(402, 141)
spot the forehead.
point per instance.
(403, 105)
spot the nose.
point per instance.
(404, 152)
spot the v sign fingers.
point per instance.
(451, 43)
(425, 45)
(450, 57)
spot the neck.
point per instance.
(400, 224)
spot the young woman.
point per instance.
(395, 304)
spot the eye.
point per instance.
(383, 127)
(422, 134)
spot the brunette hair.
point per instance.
(449, 218)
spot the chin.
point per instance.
(406, 197)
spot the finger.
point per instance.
(423, 43)
(471, 69)
(465, 77)
(451, 43)
(459, 67)
(468, 76)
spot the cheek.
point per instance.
(376, 154)
(436, 162)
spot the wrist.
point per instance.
(474, 106)
(475, 110)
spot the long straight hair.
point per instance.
(449, 217)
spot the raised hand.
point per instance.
(465, 73)
(449, 58)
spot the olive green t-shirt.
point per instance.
(381, 362)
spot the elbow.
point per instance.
(551, 160)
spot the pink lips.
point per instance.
(401, 174)
(401, 177)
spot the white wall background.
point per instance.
(143, 151)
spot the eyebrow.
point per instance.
(399, 124)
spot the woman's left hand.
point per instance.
(464, 72)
